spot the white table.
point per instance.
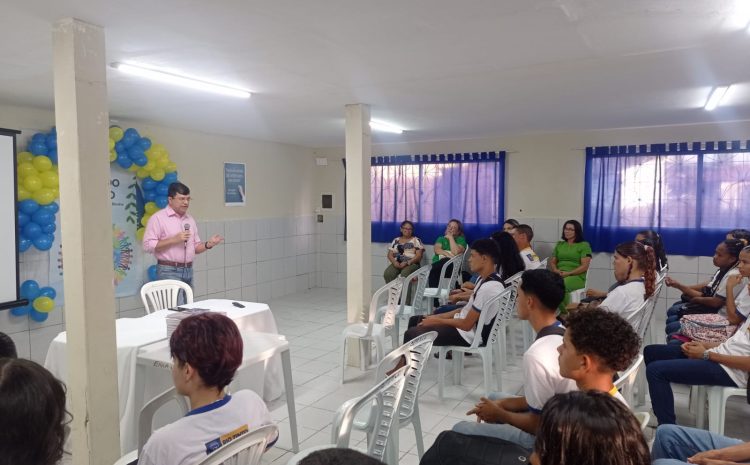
(258, 348)
(134, 333)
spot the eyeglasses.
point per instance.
(407, 229)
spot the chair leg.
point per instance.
(396, 332)
(698, 402)
(441, 371)
(343, 360)
(487, 366)
(416, 423)
(716, 410)
(501, 364)
(458, 366)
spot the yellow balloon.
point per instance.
(26, 169)
(111, 144)
(141, 173)
(42, 163)
(112, 155)
(157, 174)
(56, 193)
(151, 208)
(171, 167)
(139, 233)
(145, 218)
(44, 304)
(162, 163)
(24, 156)
(133, 168)
(149, 166)
(116, 133)
(23, 194)
(44, 196)
(49, 179)
(32, 183)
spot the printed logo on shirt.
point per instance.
(532, 257)
(214, 444)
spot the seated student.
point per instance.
(523, 235)
(509, 224)
(596, 345)
(206, 351)
(516, 419)
(653, 239)
(740, 235)
(32, 409)
(633, 265)
(339, 456)
(588, 428)
(458, 327)
(7, 347)
(675, 445)
(696, 364)
(706, 297)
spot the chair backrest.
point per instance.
(158, 295)
(543, 264)
(627, 378)
(146, 417)
(384, 398)
(417, 302)
(450, 281)
(507, 302)
(417, 353)
(648, 310)
(245, 450)
(514, 280)
(494, 301)
(391, 292)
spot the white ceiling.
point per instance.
(442, 69)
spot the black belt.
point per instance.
(178, 265)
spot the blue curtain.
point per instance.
(692, 194)
(429, 190)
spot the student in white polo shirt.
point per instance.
(206, 352)
(513, 418)
(523, 235)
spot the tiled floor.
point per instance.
(312, 321)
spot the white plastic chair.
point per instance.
(506, 300)
(418, 306)
(543, 264)
(162, 294)
(370, 332)
(526, 331)
(717, 403)
(577, 295)
(146, 419)
(417, 352)
(643, 418)
(245, 450)
(383, 400)
(446, 283)
(626, 381)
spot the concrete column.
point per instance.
(358, 234)
(82, 121)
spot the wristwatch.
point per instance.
(706, 355)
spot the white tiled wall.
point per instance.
(261, 259)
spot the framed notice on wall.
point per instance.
(234, 184)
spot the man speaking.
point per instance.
(172, 236)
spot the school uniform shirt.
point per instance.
(626, 300)
(721, 291)
(530, 259)
(742, 301)
(616, 394)
(738, 345)
(541, 373)
(202, 431)
(484, 291)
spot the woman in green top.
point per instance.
(447, 246)
(571, 259)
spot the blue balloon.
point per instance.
(49, 228)
(148, 184)
(52, 154)
(169, 178)
(52, 140)
(38, 316)
(20, 311)
(28, 206)
(124, 161)
(161, 201)
(152, 275)
(51, 207)
(132, 132)
(135, 152)
(140, 161)
(44, 241)
(39, 138)
(120, 147)
(144, 143)
(32, 230)
(149, 196)
(38, 148)
(23, 218)
(48, 291)
(24, 244)
(128, 141)
(162, 189)
(30, 289)
(43, 217)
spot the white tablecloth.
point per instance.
(133, 333)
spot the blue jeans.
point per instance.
(446, 309)
(497, 430)
(674, 444)
(667, 364)
(180, 274)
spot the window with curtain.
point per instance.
(429, 190)
(691, 193)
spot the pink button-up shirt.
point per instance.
(167, 223)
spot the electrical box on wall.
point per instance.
(326, 201)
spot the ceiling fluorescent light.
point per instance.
(386, 127)
(714, 100)
(178, 80)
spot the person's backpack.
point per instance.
(452, 448)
